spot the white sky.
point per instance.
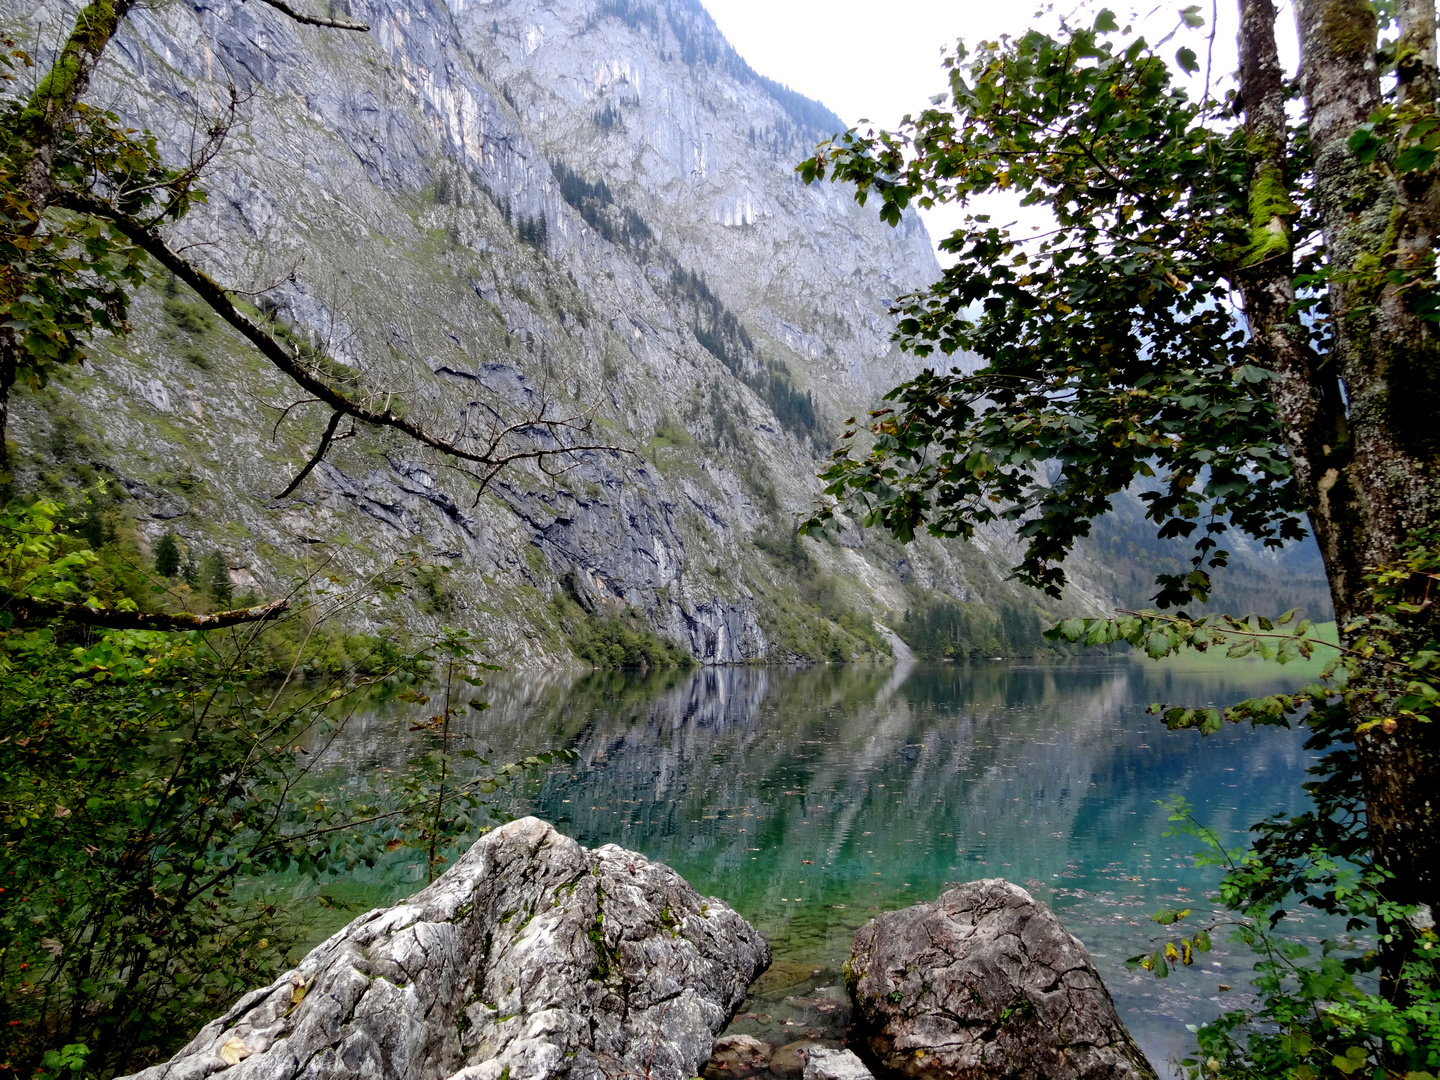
(880, 59)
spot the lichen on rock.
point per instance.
(984, 983)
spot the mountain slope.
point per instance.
(482, 206)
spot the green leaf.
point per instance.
(1105, 22)
(1185, 57)
(1352, 1060)
(1167, 916)
(1414, 159)
(1191, 16)
(1365, 144)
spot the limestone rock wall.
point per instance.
(530, 958)
(381, 196)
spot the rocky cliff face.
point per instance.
(479, 206)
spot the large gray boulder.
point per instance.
(530, 958)
(984, 984)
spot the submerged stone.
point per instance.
(532, 957)
(737, 1056)
(822, 1063)
(788, 1062)
(984, 984)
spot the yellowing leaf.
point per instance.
(234, 1051)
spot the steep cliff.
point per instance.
(481, 206)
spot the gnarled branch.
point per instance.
(314, 20)
(30, 609)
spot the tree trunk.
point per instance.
(33, 142)
(1361, 421)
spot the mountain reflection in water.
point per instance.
(811, 799)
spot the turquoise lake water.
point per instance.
(811, 799)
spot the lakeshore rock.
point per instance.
(822, 1063)
(984, 983)
(532, 957)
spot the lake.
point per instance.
(811, 799)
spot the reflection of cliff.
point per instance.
(809, 799)
(979, 766)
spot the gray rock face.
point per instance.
(984, 983)
(532, 957)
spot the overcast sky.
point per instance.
(880, 59)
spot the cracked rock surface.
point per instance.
(532, 957)
(984, 982)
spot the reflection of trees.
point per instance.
(956, 772)
(880, 778)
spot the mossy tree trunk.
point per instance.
(1361, 420)
(28, 151)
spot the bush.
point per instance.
(149, 782)
(620, 641)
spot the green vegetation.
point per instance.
(533, 231)
(595, 204)
(620, 640)
(814, 621)
(148, 779)
(957, 631)
(167, 556)
(724, 337)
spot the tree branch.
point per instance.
(37, 133)
(31, 609)
(489, 459)
(325, 441)
(314, 20)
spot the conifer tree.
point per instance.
(167, 556)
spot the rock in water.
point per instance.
(825, 1064)
(530, 958)
(738, 1056)
(984, 983)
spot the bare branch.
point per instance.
(31, 609)
(314, 20)
(490, 459)
(274, 431)
(319, 455)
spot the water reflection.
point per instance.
(811, 799)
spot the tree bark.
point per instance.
(30, 609)
(1369, 465)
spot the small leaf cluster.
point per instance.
(64, 275)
